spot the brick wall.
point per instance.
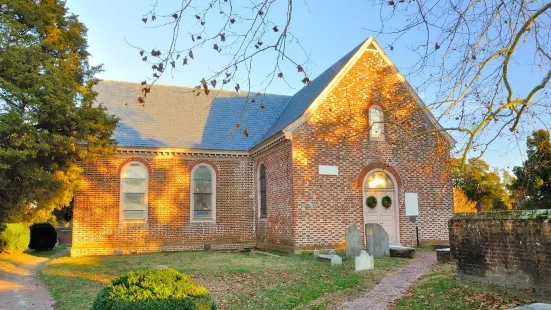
(511, 248)
(275, 231)
(305, 210)
(337, 133)
(97, 229)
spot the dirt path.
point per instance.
(20, 286)
(394, 285)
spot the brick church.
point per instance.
(355, 146)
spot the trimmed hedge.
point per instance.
(14, 238)
(43, 237)
(155, 289)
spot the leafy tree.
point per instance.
(533, 179)
(481, 185)
(48, 118)
(461, 202)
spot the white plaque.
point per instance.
(329, 170)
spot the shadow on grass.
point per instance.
(235, 280)
(49, 253)
(440, 289)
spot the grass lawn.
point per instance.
(440, 290)
(235, 280)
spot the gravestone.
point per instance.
(353, 242)
(316, 253)
(364, 261)
(336, 260)
(376, 240)
(332, 252)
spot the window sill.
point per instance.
(133, 223)
(197, 221)
(377, 139)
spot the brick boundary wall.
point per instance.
(508, 248)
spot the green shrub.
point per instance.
(43, 237)
(14, 238)
(156, 289)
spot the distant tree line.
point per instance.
(479, 188)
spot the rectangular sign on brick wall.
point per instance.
(412, 204)
(329, 170)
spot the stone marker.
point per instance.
(316, 253)
(324, 257)
(364, 261)
(336, 260)
(443, 255)
(402, 251)
(161, 267)
(353, 242)
(332, 252)
(376, 239)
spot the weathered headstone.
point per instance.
(353, 242)
(364, 261)
(316, 253)
(376, 239)
(336, 260)
(332, 252)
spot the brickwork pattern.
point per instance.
(305, 210)
(512, 252)
(275, 231)
(97, 229)
(337, 133)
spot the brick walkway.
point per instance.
(391, 287)
(22, 289)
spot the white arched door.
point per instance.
(379, 191)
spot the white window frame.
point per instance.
(192, 199)
(371, 123)
(121, 194)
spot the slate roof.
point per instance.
(175, 116)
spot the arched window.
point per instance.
(378, 180)
(376, 123)
(134, 186)
(262, 191)
(203, 193)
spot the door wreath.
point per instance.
(371, 202)
(386, 201)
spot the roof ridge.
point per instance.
(244, 93)
(340, 61)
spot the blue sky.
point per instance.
(327, 30)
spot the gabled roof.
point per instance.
(176, 117)
(296, 106)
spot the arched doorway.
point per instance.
(380, 192)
